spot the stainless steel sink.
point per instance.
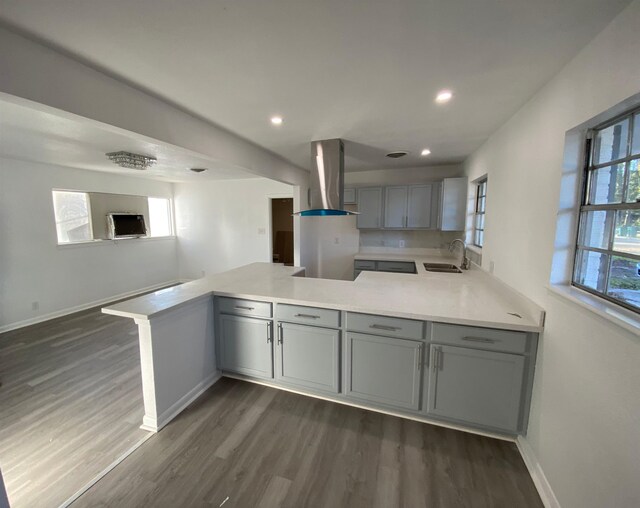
(441, 267)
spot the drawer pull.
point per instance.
(268, 332)
(308, 316)
(420, 358)
(479, 339)
(242, 307)
(385, 327)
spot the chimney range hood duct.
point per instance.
(326, 196)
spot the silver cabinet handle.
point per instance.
(419, 357)
(269, 338)
(434, 359)
(242, 307)
(308, 316)
(385, 327)
(479, 339)
(280, 333)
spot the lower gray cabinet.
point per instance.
(246, 346)
(384, 370)
(308, 356)
(474, 386)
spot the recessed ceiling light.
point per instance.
(277, 120)
(444, 96)
(426, 151)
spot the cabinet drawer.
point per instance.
(396, 266)
(382, 325)
(244, 307)
(308, 315)
(364, 264)
(479, 338)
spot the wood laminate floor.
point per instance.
(245, 445)
(70, 404)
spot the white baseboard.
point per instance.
(537, 475)
(155, 424)
(84, 306)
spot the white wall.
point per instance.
(33, 268)
(585, 419)
(224, 224)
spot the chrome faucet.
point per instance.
(465, 260)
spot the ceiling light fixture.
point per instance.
(277, 120)
(444, 96)
(198, 170)
(131, 160)
(425, 152)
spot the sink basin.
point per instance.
(441, 267)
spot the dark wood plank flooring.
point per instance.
(70, 404)
(255, 446)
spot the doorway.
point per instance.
(282, 230)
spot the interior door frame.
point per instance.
(296, 245)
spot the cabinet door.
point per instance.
(395, 207)
(246, 346)
(384, 370)
(370, 208)
(309, 356)
(474, 386)
(454, 203)
(419, 206)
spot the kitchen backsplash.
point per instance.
(411, 239)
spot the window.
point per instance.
(160, 217)
(478, 215)
(607, 261)
(73, 220)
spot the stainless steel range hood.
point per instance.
(326, 196)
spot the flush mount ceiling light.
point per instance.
(425, 152)
(444, 96)
(277, 120)
(397, 154)
(198, 170)
(131, 160)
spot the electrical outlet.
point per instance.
(35, 305)
(492, 265)
(203, 273)
(336, 240)
(401, 244)
(262, 231)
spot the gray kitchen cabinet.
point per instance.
(308, 356)
(383, 370)
(420, 210)
(369, 208)
(350, 196)
(245, 345)
(453, 204)
(410, 207)
(395, 207)
(474, 386)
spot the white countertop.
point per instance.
(471, 298)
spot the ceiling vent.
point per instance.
(131, 160)
(397, 155)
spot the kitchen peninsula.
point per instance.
(452, 349)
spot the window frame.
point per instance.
(481, 183)
(55, 218)
(584, 205)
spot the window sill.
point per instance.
(109, 241)
(624, 318)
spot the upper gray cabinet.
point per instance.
(410, 207)
(350, 196)
(453, 204)
(369, 207)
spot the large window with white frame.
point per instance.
(607, 261)
(478, 215)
